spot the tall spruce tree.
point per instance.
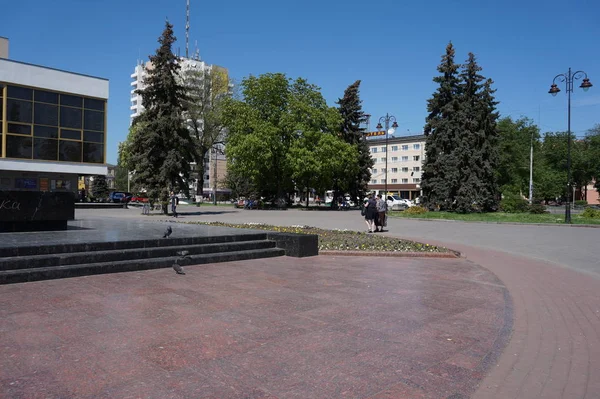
(476, 149)
(441, 178)
(350, 109)
(163, 148)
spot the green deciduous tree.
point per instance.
(162, 148)
(350, 109)
(277, 135)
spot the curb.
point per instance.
(452, 254)
(593, 226)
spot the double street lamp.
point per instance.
(569, 79)
(387, 119)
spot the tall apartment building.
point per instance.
(404, 165)
(214, 160)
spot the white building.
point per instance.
(215, 164)
(404, 164)
(53, 126)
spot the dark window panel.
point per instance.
(19, 129)
(71, 101)
(92, 103)
(46, 97)
(93, 152)
(70, 117)
(18, 147)
(45, 131)
(93, 120)
(70, 134)
(19, 111)
(45, 114)
(94, 137)
(21, 93)
(69, 151)
(46, 149)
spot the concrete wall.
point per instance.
(52, 79)
(3, 47)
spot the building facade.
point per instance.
(404, 164)
(53, 126)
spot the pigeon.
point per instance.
(178, 269)
(183, 253)
(168, 232)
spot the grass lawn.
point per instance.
(500, 217)
(342, 240)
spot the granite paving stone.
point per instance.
(324, 327)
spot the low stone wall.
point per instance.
(296, 245)
(35, 210)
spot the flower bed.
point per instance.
(345, 240)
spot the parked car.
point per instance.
(396, 203)
(116, 196)
(139, 198)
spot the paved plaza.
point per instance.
(517, 317)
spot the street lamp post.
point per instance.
(569, 78)
(387, 119)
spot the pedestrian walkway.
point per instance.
(324, 327)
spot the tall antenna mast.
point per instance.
(187, 29)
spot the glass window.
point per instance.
(93, 152)
(394, 181)
(404, 159)
(69, 151)
(381, 159)
(374, 181)
(404, 148)
(21, 93)
(45, 114)
(383, 149)
(374, 170)
(70, 134)
(405, 169)
(46, 97)
(394, 159)
(416, 146)
(394, 170)
(394, 148)
(384, 170)
(70, 117)
(374, 149)
(18, 147)
(19, 111)
(46, 149)
(416, 158)
(91, 103)
(416, 168)
(382, 181)
(71, 101)
(93, 120)
(19, 129)
(416, 180)
(45, 131)
(404, 181)
(94, 137)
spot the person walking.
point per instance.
(370, 208)
(381, 213)
(174, 201)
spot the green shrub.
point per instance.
(513, 203)
(415, 210)
(537, 209)
(581, 203)
(591, 213)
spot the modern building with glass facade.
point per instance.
(53, 126)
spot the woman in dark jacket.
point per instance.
(370, 213)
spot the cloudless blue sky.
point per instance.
(393, 46)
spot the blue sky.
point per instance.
(394, 47)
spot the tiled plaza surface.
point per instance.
(321, 327)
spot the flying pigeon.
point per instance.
(178, 269)
(168, 232)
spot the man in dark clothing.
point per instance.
(174, 201)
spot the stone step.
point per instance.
(54, 272)
(59, 248)
(74, 258)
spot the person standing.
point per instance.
(370, 207)
(381, 212)
(174, 200)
